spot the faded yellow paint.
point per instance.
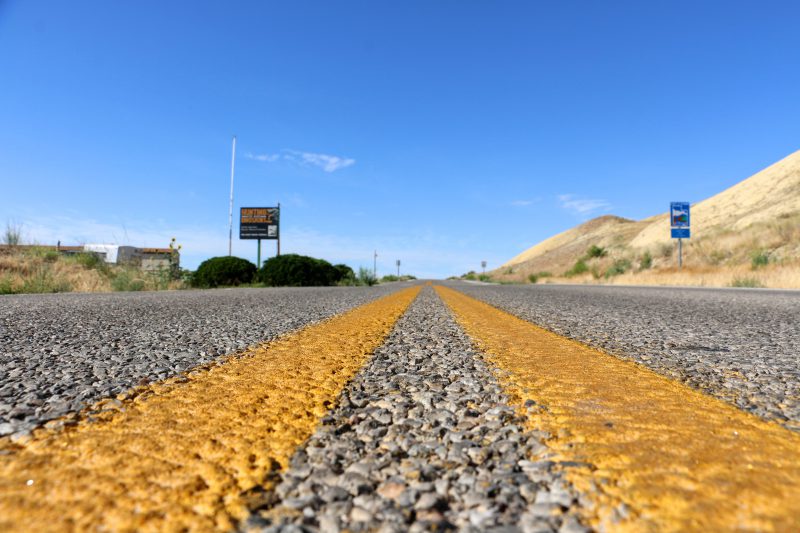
(678, 459)
(180, 455)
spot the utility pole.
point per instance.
(398, 268)
(279, 230)
(375, 265)
(230, 208)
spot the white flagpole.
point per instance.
(230, 209)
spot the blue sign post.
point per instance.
(679, 221)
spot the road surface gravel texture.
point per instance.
(60, 352)
(422, 439)
(739, 345)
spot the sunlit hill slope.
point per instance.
(747, 235)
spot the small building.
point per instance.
(144, 258)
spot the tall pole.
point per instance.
(375, 265)
(680, 254)
(230, 208)
(398, 268)
(258, 261)
(279, 230)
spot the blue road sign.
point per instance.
(679, 214)
(680, 233)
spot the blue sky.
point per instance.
(440, 133)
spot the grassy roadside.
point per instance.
(765, 254)
(41, 270)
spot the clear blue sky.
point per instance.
(441, 133)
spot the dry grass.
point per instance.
(764, 254)
(42, 271)
(746, 235)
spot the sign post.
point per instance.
(483, 266)
(680, 221)
(260, 223)
(398, 268)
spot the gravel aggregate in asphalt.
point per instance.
(60, 352)
(740, 345)
(422, 439)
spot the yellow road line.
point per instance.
(179, 455)
(678, 459)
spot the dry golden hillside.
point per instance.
(747, 235)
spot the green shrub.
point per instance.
(545, 274)
(580, 267)
(224, 271)
(470, 275)
(509, 270)
(345, 272)
(750, 283)
(88, 260)
(646, 261)
(365, 277)
(6, 287)
(388, 278)
(620, 266)
(127, 281)
(759, 258)
(484, 277)
(293, 270)
(595, 251)
(51, 256)
(533, 278)
(43, 281)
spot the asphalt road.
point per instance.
(432, 431)
(740, 345)
(59, 352)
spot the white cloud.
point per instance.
(582, 206)
(267, 158)
(327, 162)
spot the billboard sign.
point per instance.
(259, 222)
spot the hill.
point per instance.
(746, 235)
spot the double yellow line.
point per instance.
(678, 460)
(652, 454)
(182, 454)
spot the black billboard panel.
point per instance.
(259, 222)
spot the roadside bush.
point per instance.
(225, 271)
(43, 281)
(484, 277)
(533, 278)
(365, 277)
(6, 285)
(345, 272)
(471, 276)
(758, 259)
(620, 266)
(389, 277)
(127, 281)
(293, 270)
(595, 251)
(646, 261)
(88, 260)
(750, 283)
(580, 267)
